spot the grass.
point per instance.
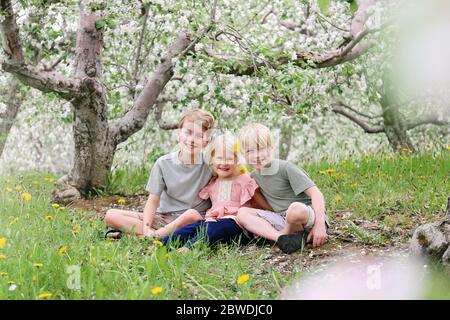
(42, 247)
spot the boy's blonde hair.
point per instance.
(205, 118)
(230, 145)
(255, 135)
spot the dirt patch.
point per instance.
(99, 205)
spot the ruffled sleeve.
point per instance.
(248, 188)
(205, 193)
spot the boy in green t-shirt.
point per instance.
(298, 205)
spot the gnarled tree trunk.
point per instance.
(13, 100)
(395, 127)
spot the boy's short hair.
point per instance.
(255, 134)
(205, 118)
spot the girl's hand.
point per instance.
(148, 232)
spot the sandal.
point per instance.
(112, 230)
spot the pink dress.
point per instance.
(227, 196)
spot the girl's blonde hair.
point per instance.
(230, 145)
(255, 135)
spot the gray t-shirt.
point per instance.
(178, 184)
(283, 183)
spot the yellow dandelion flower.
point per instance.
(329, 171)
(322, 172)
(55, 205)
(337, 198)
(44, 295)
(49, 217)
(429, 145)
(2, 243)
(10, 282)
(121, 201)
(18, 187)
(243, 278)
(3, 274)
(38, 265)
(76, 228)
(157, 243)
(2, 257)
(157, 290)
(13, 221)
(62, 250)
(26, 196)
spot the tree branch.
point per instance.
(352, 50)
(360, 17)
(365, 126)
(44, 81)
(15, 62)
(135, 118)
(430, 119)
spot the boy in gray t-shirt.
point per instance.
(298, 205)
(174, 184)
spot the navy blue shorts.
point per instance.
(224, 231)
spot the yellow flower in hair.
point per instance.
(242, 170)
(236, 147)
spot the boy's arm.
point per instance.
(258, 201)
(318, 233)
(149, 213)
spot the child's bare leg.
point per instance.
(187, 217)
(125, 221)
(248, 219)
(296, 218)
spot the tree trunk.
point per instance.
(13, 100)
(395, 127)
(285, 140)
(94, 151)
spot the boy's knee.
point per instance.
(109, 216)
(243, 214)
(297, 213)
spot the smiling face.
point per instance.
(192, 138)
(258, 157)
(224, 162)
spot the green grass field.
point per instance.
(43, 246)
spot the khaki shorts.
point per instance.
(278, 220)
(161, 219)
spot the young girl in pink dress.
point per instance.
(230, 189)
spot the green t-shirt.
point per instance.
(283, 183)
